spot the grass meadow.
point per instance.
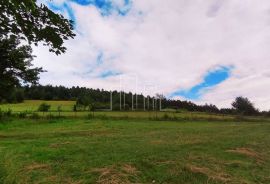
(31, 106)
(132, 149)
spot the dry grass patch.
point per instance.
(248, 152)
(37, 166)
(212, 175)
(116, 175)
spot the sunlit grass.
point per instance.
(133, 151)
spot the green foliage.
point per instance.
(19, 94)
(35, 116)
(74, 109)
(244, 106)
(26, 19)
(15, 67)
(86, 101)
(166, 116)
(6, 113)
(33, 22)
(22, 114)
(101, 98)
(44, 107)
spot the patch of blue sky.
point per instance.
(108, 73)
(100, 59)
(211, 79)
(62, 9)
(90, 69)
(107, 7)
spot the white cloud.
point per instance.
(172, 44)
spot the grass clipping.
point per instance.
(116, 174)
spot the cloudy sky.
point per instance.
(200, 50)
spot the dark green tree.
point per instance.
(44, 108)
(244, 106)
(15, 66)
(35, 23)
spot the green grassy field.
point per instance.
(133, 151)
(32, 105)
(67, 107)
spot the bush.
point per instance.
(103, 116)
(90, 116)
(8, 113)
(35, 116)
(22, 114)
(44, 107)
(166, 116)
(50, 116)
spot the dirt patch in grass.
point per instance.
(57, 145)
(37, 166)
(116, 174)
(248, 152)
(212, 175)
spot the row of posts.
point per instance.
(146, 101)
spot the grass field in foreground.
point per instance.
(133, 151)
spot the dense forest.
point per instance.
(102, 99)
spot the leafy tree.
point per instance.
(83, 101)
(44, 107)
(28, 20)
(244, 106)
(15, 65)
(34, 23)
(86, 101)
(75, 109)
(19, 95)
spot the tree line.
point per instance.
(89, 98)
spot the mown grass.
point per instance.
(32, 105)
(133, 151)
